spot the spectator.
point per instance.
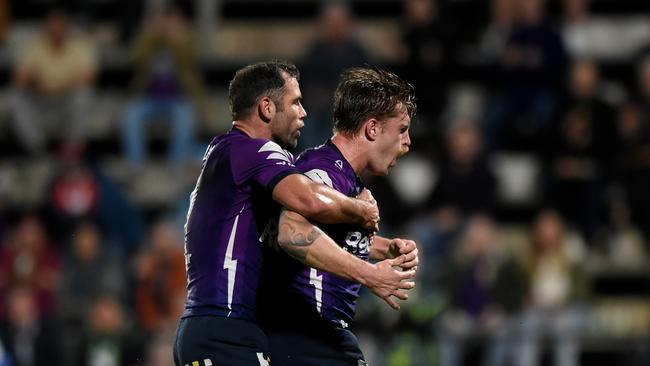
(90, 271)
(108, 339)
(334, 50)
(498, 30)
(620, 243)
(465, 187)
(428, 48)
(28, 338)
(585, 91)
(557, 289)
(496, 35)
(160, 346)
(575, 172)
(81, 192)
(633, 165)
(53, 82)
(160, 273)
(576, 27)
(580, 150)
(28, 259)
(168, 86)
(486, 287)
(531, 75)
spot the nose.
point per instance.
(303, 112)
(407, 140)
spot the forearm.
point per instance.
(321, 203)
(311, 246)
(333, 207)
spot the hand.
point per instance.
(408, 249)
(386, 282)
(371, 210)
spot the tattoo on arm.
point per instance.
(295, 240)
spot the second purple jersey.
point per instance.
(316, 292)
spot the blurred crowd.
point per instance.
(527, 188)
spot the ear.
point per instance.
(371, 129)
(266, 109)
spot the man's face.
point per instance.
(289, 117)
(57, 27)
(392, 142)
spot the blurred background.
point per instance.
(527, 188)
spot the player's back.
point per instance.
(229, 208)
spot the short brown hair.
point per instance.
(255, 81)
(365, 93)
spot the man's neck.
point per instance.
(253, 128)
(353, 150)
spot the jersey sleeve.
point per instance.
(324, 170)
(263, 161)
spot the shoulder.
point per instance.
(246, 151)
(36, 49)
(265, 149)
(322, 166)
(321, 156)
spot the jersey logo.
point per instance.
(339, 164)
(276, 152)
(320, 176)
(357, 243)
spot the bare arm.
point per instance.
(321, 203)
(308, 244)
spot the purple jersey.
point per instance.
(230, 207)
(308, 290)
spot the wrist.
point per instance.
(364, 272)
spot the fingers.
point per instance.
(410, 257)
(397, 261)
(409, 249)
(372, 225)
(402, 295)
(407, 246)
(366, 194)
(399, 243)
(410, 265)
(393, 304)
(404, 246)
(411, 261)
